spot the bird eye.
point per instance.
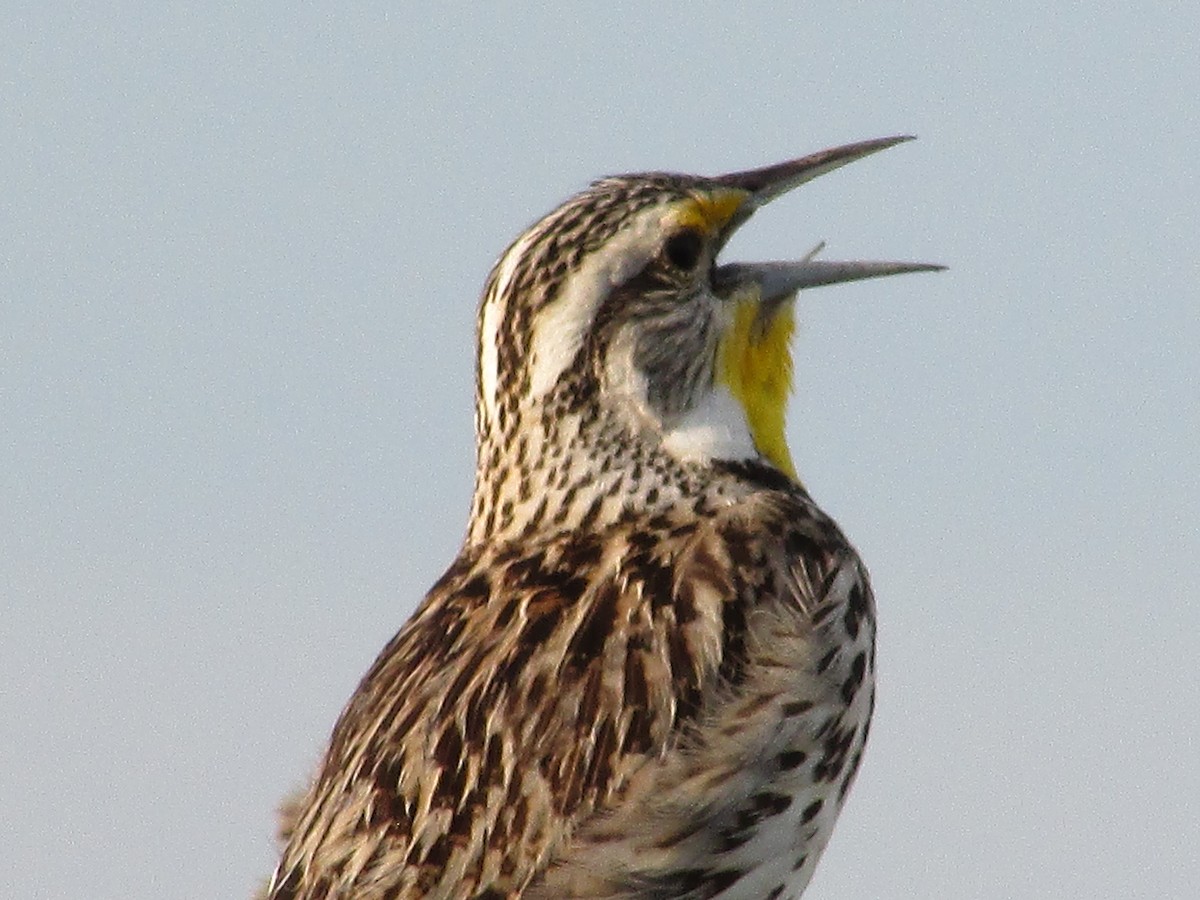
(683, 248)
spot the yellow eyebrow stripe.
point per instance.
(710, 211)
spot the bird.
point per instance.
(649, 672)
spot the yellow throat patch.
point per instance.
(755, 362)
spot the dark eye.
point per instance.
(683, 249)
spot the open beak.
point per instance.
(779, 281)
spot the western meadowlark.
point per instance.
(650, 671)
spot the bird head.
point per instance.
(612, 340)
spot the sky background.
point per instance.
(240, 251)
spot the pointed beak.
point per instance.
(779, 281)
(765, 184)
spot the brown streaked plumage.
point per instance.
(649, 673)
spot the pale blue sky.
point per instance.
(240, 250)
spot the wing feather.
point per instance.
(517, 704)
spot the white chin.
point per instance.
(714, 429)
